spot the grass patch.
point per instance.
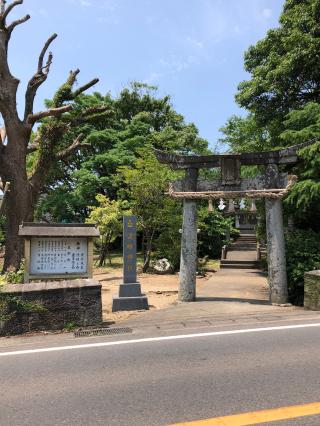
(213, 264)
(117, 262)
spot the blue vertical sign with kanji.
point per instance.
(129, 249)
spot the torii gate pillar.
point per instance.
(277, 274)
(188, 261)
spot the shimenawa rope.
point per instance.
(253, 193)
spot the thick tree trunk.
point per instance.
(14, 141)
(19, 205)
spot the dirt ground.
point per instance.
(162, 291)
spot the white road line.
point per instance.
(156, 339)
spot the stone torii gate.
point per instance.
(272, 186)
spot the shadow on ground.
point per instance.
(233, 299)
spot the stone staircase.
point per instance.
(242, 254)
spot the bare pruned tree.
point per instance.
(15, 136)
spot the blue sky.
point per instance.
(192, 49)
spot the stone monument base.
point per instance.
(130, 298)
(76, 302)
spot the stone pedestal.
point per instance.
(130, 298)
(65, 302)
(312, 290)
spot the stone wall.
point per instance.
(312, 290)
(71, 301)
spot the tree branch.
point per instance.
(9, 9)
(20, 21)
(95, 110)
(85, 87)
(43, 52)
(32, 148)
(89, 113)
(52, 112)
(38, 78)
(76, 145)
(72, 77)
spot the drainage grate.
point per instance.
(102, 331)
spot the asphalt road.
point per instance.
(162, 382)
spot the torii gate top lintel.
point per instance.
(282, 156)
(271, 184)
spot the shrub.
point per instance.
(303, 254)
(13, 277)
(214, 228)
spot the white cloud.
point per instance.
(177, 64)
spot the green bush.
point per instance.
(10, 305)
(303, 254)
(13, 277)
(214, 229)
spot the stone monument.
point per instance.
(130, 297)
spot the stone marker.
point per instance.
(130, 297)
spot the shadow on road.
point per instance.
(233, 299)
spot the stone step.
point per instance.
(245, 243)
(232, 262)
(252, 265)
(239, 247)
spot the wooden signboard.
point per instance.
(58, 251)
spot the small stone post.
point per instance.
(188, 262)
(277, 274)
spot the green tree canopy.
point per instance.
(108, 216)
(284, 66)
(137, 119)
